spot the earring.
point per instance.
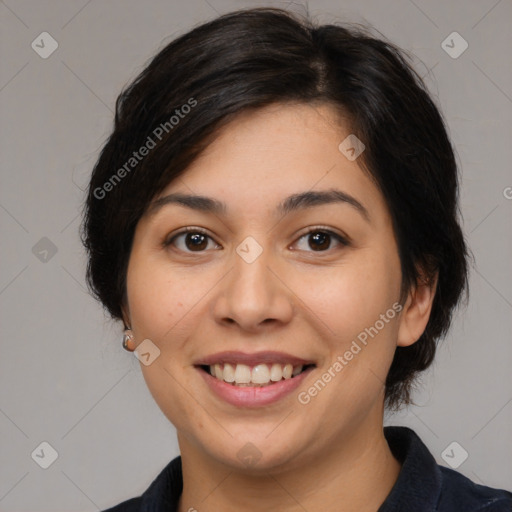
(128, 337)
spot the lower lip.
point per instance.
(248, 396)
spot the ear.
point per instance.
(416, 311)
(126, 316)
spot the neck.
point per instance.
(354, 474)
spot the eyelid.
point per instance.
(186, 230)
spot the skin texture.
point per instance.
(329, 454)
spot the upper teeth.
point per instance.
(259, 374)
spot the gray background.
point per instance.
(65, 378)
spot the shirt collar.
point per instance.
(418, 486)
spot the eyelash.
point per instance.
(316, 229)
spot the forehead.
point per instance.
(262, 156)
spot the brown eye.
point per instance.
(191, 241)
(320, 240)
(196, 241)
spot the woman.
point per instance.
(274, 219)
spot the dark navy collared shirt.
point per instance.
(422, 485)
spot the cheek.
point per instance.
(155, 297)
(356, 303)
(164, 299)
(352, 296)
(159, 301)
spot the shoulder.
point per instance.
(132, 505)
(425, 486)
(163, 493)
(459, 491)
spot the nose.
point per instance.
(253, 296)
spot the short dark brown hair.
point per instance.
(252, 58)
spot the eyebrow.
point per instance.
(291, 203)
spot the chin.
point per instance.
(255, 454)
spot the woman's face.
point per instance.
(248, 279)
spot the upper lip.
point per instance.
(234, 357)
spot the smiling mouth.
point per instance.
(259, 375)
